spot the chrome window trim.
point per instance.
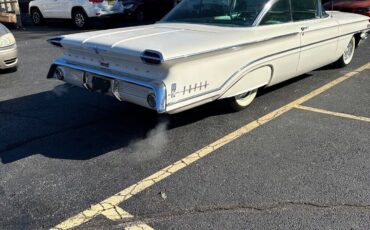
(319, 8)
(268, 6)
(264, 11)
(291, 14)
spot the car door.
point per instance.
(53, 8)
(285, 43)
(318, 32)
(62, 8)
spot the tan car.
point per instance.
(8, 49)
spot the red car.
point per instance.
(354, 6)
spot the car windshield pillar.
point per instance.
(264, 11)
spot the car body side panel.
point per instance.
(213, 74)
(44, 7)
(250, 81)
(319, 38)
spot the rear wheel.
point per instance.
(36, 17)
(80, 19)
(348, 54)
(242, 101)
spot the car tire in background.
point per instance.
(242, 101)
(348, 54)
(36, 17)
(80, 19)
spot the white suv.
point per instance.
(80, 11)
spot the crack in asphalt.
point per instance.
(151, 218)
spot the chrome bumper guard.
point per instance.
(119, 84)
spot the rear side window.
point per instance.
(304, 9)
(279, 13)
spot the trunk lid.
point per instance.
(170, 40)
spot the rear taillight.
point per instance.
(152, 57)
(56, 41)
(96, 1)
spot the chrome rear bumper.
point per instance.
(124, 88)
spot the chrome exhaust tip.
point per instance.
(152, 100)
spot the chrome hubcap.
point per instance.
(244, 96)
(348, 53)
(79, 20)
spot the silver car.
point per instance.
(8, 49)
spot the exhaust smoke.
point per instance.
(152, 145)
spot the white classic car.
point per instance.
(206, 50)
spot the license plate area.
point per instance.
(98, 83)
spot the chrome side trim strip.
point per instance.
(158, 87)
(232, 47)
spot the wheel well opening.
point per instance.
(357, 38)
(77, 8)
(32, 8)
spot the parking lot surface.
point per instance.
(297, 158)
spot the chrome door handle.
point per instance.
(303, 28)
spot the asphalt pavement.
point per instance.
(72, 158)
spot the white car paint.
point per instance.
(62, 9)
(202, 63)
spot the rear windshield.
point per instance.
(217, 12)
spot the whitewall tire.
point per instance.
(242, 101)
(348, 54)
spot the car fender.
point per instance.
(254, 79)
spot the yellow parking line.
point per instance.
(140, 226)
(344, 115)
(111, 212)
(136, 188)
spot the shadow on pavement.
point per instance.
(71, 123)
